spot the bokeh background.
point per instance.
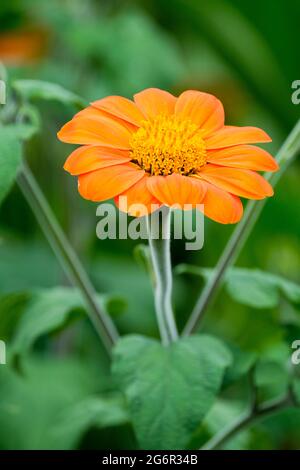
(246, 53)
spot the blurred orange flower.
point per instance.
(22, 47)
(167, 150)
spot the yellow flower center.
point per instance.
(165, 145)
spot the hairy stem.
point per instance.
(159, 243)
(247, 419)
(285, 156)
(66, 256)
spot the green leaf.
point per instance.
(242, 361)
(271, 379)
(31, 404)
(24, 131)
(95, 411)
(49, 310)
(169, 389)
(37, 89)
(252, 287)
(222, 413)
(28, 122)
(141, 254)
(114, 305)
(10, 159)
(11, 309)
(289, 289)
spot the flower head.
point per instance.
(163, 150)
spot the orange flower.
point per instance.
(22, 47)
(159, 149)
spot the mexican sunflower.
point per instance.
(159, 149)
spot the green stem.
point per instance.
(247, 419)
(159, 243)
(285, 156)
(66, 256)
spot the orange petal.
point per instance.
(139, 196)
(98, 114)
(120, 107)
(203, 109)
(108, 182)
(153, 101)
(221, 206)
(232, 135)
(176, 189)
(103, 131)
(245, 183)
(243, 156)
(90, 157)
(91, 113)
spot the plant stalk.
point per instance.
(66, 256)
(247, 419)
(159, 244)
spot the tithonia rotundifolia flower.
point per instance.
(159, 149)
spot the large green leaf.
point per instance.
(10, 159)
(252, 287)
(38, 89)
(169, 389)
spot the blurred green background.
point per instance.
(246, 53)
